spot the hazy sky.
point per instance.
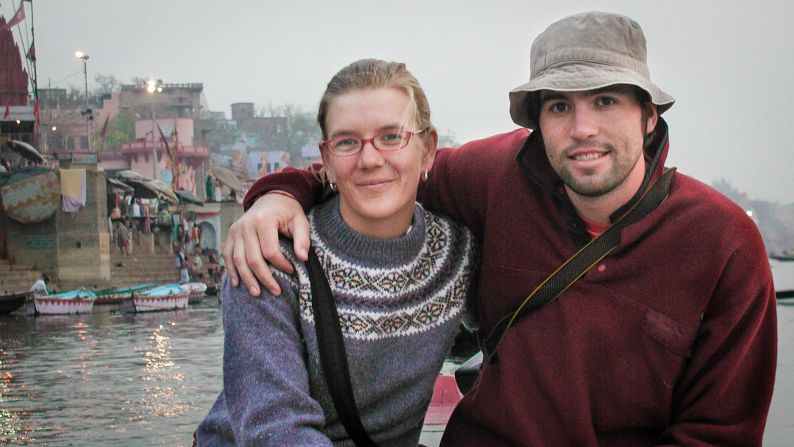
(730, 65)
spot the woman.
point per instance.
(399, 276)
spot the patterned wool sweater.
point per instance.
(400, 302)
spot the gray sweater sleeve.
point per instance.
(265, 381)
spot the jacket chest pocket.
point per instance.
(649, 354)
(669, 333)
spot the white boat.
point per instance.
(783, 275)
(64, 303)
(165, 297)
(196, 289)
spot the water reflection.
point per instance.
(159, 377)
(108, 378)
(113, 379)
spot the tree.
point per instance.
(137, 80)
(447, 139)
(218, 135)
(301, 129)
(105, 84)
(75, 95)
(121, 129)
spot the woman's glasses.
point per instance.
(390, 140)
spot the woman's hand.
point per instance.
(252, 241)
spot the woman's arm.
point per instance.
(265, 381)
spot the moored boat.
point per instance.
(11, 301)
(117, 295)
(165, 297)
(783, 276)
(64, 303)
(197, 290)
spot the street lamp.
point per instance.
(87, 111)
(153, 87)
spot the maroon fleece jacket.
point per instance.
(670, 340)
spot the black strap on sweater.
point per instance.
(332, 353)
(578, 264)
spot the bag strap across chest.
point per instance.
(578, 264)
(333, 357)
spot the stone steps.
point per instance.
(137, 269)
(15, 278)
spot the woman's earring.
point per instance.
(332, 185)
(425, 175)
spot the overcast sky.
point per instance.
(730, 65)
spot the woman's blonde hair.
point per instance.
(367, 74)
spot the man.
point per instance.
(669, 340)
(39, 288)
(123, 238)
(181, 263)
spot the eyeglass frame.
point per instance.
(324, 145)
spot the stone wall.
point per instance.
(73, 248)
(230, 212)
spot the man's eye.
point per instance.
(605, 101)
(558, 107)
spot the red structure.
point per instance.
(13, 77)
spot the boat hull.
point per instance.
(12, 301)
(196, 290)
(117, 296)
(55, 306)
(138, 303)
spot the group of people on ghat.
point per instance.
(619, 302)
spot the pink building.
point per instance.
(177, 162)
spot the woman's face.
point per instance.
(377, 189)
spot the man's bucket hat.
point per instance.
(585, 52)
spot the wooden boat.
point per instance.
(445, 397)
(117, 295)
(10, 302)
(64, 303)
(197, 290)
(165, 297)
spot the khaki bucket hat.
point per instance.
(585, 52)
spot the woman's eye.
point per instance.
(346, 142)
(390, 137)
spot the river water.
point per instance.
(114, 379)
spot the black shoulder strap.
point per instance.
(576, 266)
(332, 353)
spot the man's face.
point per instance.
(594, 139)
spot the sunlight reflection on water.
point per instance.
(115, 379)
(109, 378)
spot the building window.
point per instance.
(83, 142)
(70, 144)
(56, 142)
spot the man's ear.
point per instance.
(653, 117)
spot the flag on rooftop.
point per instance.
(18, 17)
(32, 53)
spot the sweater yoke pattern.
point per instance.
(380, 302)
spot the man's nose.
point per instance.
(585, 124)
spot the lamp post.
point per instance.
(154, 86)
(87, 111)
